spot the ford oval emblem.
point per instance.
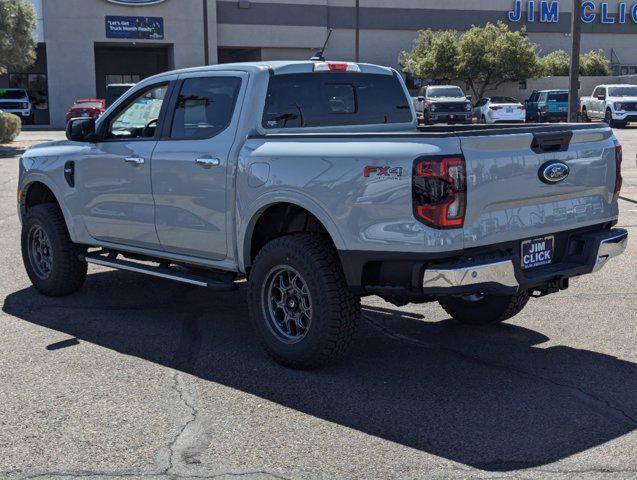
(554, 172)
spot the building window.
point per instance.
(35, 84)
(112, 78)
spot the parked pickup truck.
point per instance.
(312, 181)
(17, 101)
(443, 104)
(615, 104)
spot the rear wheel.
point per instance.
(50, 257)
(299, 302)
(484, 309)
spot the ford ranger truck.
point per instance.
(614, 104)
(312, 181)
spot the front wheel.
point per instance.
(480, 309)
(608, 119)
(50, 257)
(299, 302)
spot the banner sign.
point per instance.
(548, 11)
(139, 28)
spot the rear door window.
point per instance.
(204, 107)
(334, 99)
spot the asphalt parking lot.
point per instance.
(136, 377)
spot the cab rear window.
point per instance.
(334, 99)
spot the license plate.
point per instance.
(537, 252)
(562, 109)
(509, 109)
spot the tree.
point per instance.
(482, 56)
(433, 55)
(595, 64)
(17, 43)
(556, 64)
(493, 54)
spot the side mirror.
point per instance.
(81, 130)
(469, 97)
(421, 99)
(601, 97)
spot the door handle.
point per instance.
(134, 160)
(208, 162)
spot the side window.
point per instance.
(542, 98)
(139, 117)
(204, 107)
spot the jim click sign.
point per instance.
(140, 28)
(548, 11)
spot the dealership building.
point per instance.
(84, 45)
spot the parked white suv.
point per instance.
(615, 104)
(16, 101)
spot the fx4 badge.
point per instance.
(383, 172)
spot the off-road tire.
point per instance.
(486, 311)
(335, 310)
(68, 272)
(608, 119)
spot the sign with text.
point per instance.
(548, 11)
(139, 28)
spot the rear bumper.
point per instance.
(496, 269)
(505, 277)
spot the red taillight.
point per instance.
(439, 191)
(618, 170)
(492, 107)
(521, 107)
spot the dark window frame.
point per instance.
(172, 105)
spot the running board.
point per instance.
(160, 272)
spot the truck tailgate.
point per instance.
(508, 198)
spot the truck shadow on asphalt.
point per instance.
(491, 398)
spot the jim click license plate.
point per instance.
(538, 252)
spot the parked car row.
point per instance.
(616, 105)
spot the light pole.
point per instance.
(576, 32)
(206, 46)
(358, 32)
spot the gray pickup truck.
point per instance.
(312, 181)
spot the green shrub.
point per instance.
(10, 127)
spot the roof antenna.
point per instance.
(320, 55)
